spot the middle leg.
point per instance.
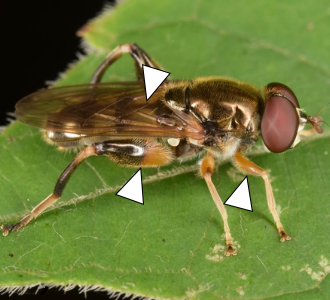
(206, 170)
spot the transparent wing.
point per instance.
(118, 109)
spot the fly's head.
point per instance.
(283, 119)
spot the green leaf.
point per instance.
(169, 247)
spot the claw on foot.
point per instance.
(6, 229)
(230, 250)
(284, 237)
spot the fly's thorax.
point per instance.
(228, 110)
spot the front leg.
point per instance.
(206, 170)
(247, 166)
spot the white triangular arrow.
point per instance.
(153, 78)
(240, 198)
(132, 190)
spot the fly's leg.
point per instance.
(249, 167)
(206, 170)
(55, 195)
(140, 58)
(136, 153)
(125, 152)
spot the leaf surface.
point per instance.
(171, 247)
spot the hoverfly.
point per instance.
(216, 118)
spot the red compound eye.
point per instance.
(279, 124)
(281, 88)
